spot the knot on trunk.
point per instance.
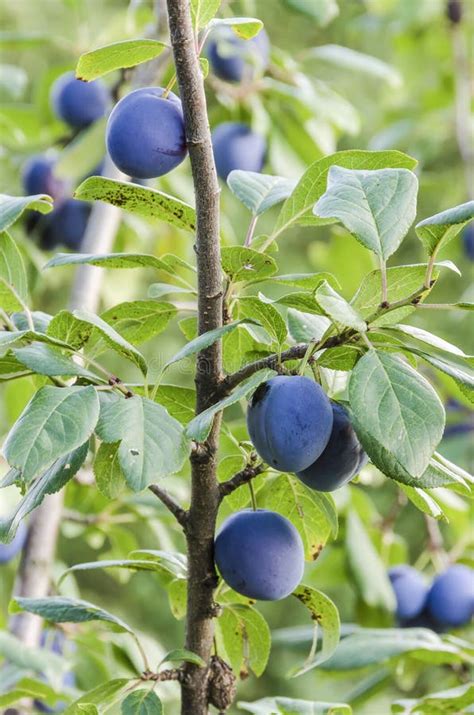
(222, 686)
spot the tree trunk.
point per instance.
(201, 521)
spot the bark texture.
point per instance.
(201, 521)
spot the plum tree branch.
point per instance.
(243, 477)
(178, 512)
(205, 497)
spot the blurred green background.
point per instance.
(310, 104)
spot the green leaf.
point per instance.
(177, 597)
(369, 572)
(139, 320)
(205, 340)
(323, 12)
(312, 513)
(152, 444)
(300, 300)
(68, 329)
(198, 429)
(325, 615)
(138, 200)
(39, 660)
(157, 290)
(397, 415)
(454, 700)
(179, 401)
(56, 421)
(45, 360)
(338, 309)
(202, 12)
(436, 232)
(108, 260)
(293, 706)
(424, 502)
(244, 637)
(104, 694)
(83, 154)
(259, 192)
(54, 479)
(118, 55)
(180, 655)
(297, 209)
(244, 27)
(377, 207)
(350, 60)
(245, 264)
(340, 358)
(112, 338)
(108, 473)
(9, 339)
(127, 564)
(305, 327)
(58, 609)
(268, 316)
(9, 298)
(12, 268)
(172, 562)
(306, 281)
(372, 646)
(12, 207)
(142, 702)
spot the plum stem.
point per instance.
(252, 495)
(251, 231)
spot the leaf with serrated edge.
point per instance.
(138, 200)
(205, 340)
(268, 316)
(58, 609)
(11, 207)
(202, 11)
(56, 421)
(245, 637)
(337, 308)
(245, 264)
(12, 267)
(377, 207)
(118, 55)
(259, 192)
(139, 320)
(142, 702)
(103, 695)
(397, 414)
(436, 231)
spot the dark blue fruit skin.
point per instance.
(54, 641)
(233, 58)
(145, 133)
(236, 146)
(289, 420)
(342, 459)
(468, 241)
(79, 103)
(38, 178)
(410, 591)
(65, 226)
(260, 554)
(451, 597)
(9, 551)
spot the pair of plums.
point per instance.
(295, 428)
(447, 603)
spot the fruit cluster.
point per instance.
(295, 428)
(447, 603)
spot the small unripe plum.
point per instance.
(451, 597)
(468, 241)
(79, 103)
(289, 420)
(9, 551)
(260, 554)
(38, 177)
(236, 146)
(65, 225)
(410, 591)
(233, 59)
(145, 133)
(342, 458)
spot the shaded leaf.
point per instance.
(325, 616)
(245, 264)
(259, 192)
(436, 231)
(118, 55)
(11, 207)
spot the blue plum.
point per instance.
(236, 146)
(145, 133)
(468, 241)
(38, 177)
(410, 591)
(79, 103)
(451, 597)
(289, 420)
(55, 641)
(260, 554)
(9, 551)
(233, 58)
(65, 225)
(342, 458)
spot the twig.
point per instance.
(165, 675)
(243, 477)
(180, 514)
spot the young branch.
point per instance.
(201, 521)
(243, 477)
(178, 512)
